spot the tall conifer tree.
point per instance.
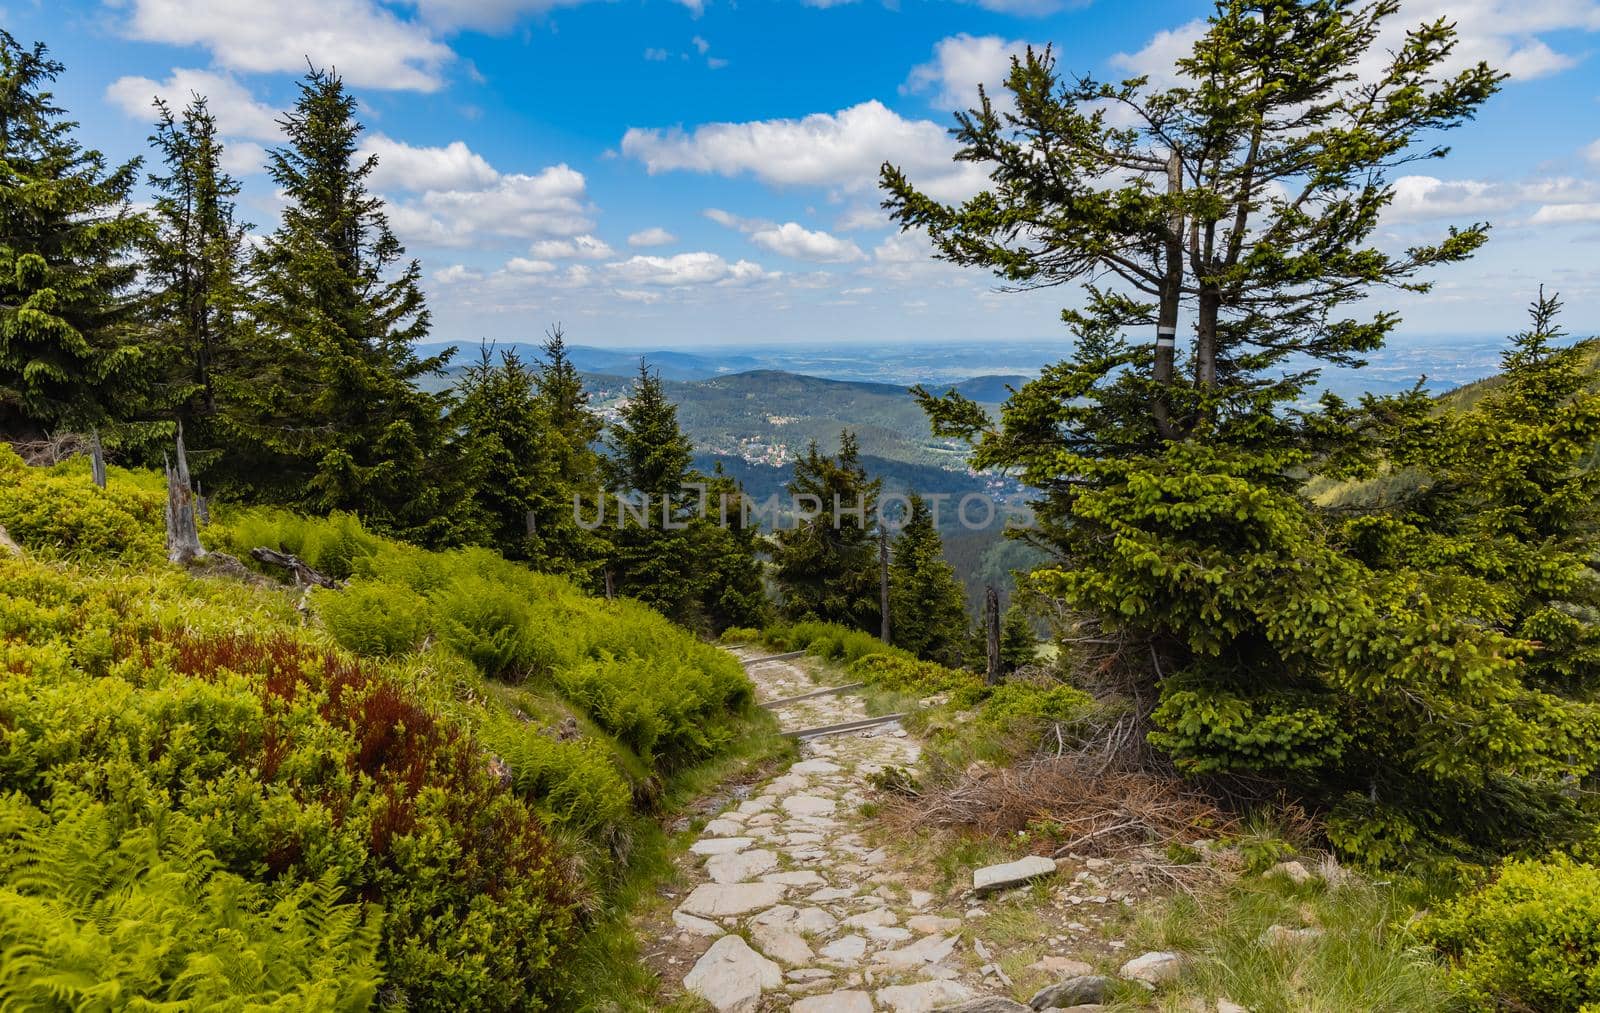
(333, 408)
(72, 351)
(926, 602)
(827, 563)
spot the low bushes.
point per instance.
(378, 802)
(1531, 937)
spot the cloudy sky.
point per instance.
(686, 172)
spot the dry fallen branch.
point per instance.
(1089, 810)
(304, 576)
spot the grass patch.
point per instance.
(1361, 957)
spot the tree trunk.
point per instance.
(1205, 348)
(183, 534)
(97, 459)
(991, 622)
(304, 576)
(883, 580)
(611, 587)
(1167, 313)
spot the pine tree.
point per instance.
(652, 556)
(574, 433)
(733, 592)
(1018, 645)
(193, 258)
(927, 604)
(331, 403)
(827, 562)
(72, 352)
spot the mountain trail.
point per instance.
(792, 907)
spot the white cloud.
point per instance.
(550, 203)
(243, 158)
(685, 269)
(1565, 214)
(654, 236)
(577, 248)
(701, 45)
(522, 265)
(793, 240)
(367, 43)
(402, 166)
(1156, 59)
(960, 63)
(655, 55)
(454, 274)
(1418, 198)
(237, 111)
(1592, 153)
(842, 150)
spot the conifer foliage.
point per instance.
(331, 407)
(927, 604)
(826, 561)
(72, 353)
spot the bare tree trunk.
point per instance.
(1167, 313)
(97, 459)
(304, 576)
(883, 580)
(991, 622)
(183, 535)
(1205, 348)
(611, 588)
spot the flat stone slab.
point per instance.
(739, 866)
(923, 996)
(816, 767)
(718, 900)
(846, 949)
(803, 877)
(999, 877)
(835, 1002)
(809, 805)
(927, 950)
(781, 944)
(723, 827)
(720, 845)
(731, 976)
(1156, 968)
(698, 926)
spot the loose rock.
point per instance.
(1157, 968)
(999, 877)
(1084, 989)
(731, 976)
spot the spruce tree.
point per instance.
(1170, 482)
(574, 431)
(72, 352)
(331, 403)
(652, 557)
(826, 562)
(194, 260)
(733, 590)
(927, 604)
(1018, 645)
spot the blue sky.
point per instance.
(688, 172)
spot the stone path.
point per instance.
(794, 909)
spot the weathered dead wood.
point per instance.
(183, 533)
(97, 459)
(7, 546)
(304, 576)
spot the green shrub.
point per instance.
(490, 628)
(574, 782)
(1013, 703)
(1531, 938)
(335, 545)
(741, 635)
(67, 517)
(373, 620)
(903, 673)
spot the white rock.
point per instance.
(739, 866)
(815, 767)
(835, 1002)
(845, 949)
(929, 924)
(927, 950)
(803, 877)
(813, 921)
(998, 877)
(1296, 872)
(1229, 1006)
(718, 900)
(779, 943)
(809, 805)
(808, 974)
(1156, 968)
(731, 976)
(921, 899)
(722, 827)
(923, 996)
(780, 914)
(889, 933)
(699, 926)
(877, 916)
(720, 845)
(829, 894)
(755, 805)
